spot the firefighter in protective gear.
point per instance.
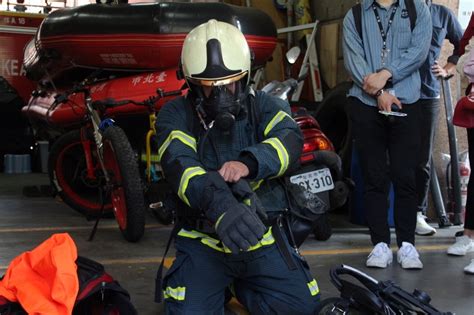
(209, 141)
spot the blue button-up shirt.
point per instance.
(445, 26)
(408, 49)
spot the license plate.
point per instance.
(314, 181)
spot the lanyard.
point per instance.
(383, 32)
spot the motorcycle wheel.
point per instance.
(127, 194)
(67, 173)
(322, 228)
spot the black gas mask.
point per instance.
(222, 105)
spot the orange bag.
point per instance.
(44, 280)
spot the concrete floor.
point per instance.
(27, 221)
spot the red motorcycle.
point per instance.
(321, 173)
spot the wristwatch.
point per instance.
(379, 92)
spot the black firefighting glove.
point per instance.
(237, 225)
(244, 193)
(239, 228)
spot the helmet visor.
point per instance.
(216, 82)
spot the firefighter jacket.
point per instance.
(266, 135)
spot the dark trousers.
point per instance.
(260, 279)
(428, 110)
(469, 219)
(387, 148)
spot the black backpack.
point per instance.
(357, 13)
(99, 293)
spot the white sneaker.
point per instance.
(408, 257)
(463, 245)
(423, 228)
(470, 268)
(380, 257)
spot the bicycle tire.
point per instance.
(67, 169)
(127, 194)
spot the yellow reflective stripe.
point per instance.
(216, 244)
(246, 202)
(191, 234)
(266, 240)
(313, 287)
(185, 178)
(275, 120)
(282, 154)
(178, 293)
(153, 158)
(219, 220)
(256, 185)
(179, 135)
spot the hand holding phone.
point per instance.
(395, 111)
(383, 101)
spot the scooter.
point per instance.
(321, 168)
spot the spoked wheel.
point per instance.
(126, 187)
(68, 173)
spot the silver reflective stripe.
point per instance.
(313, 287)
(178, 135)
(275, 120)
(185, 178)
(178, 293)
(282, 154)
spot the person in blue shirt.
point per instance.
(445, 26)
(383, 62)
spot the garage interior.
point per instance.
(30, 214)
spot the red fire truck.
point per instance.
(16, 29)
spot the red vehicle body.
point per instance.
(16, 30)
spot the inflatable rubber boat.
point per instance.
(133, 37)
(42, 109)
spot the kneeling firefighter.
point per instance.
(211, 142)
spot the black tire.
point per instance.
(322, 229)
(120, 159)
(67, 173)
